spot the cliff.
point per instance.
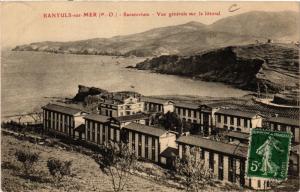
(271, 66)
(84, 91)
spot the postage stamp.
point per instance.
(268, 154)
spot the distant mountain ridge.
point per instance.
(185, 39)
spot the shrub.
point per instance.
(28, 159)
(58, 169)
(117, 161)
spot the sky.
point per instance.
(24, 22)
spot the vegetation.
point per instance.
(117, 162)
(58, 169)
(28, 159)
(193, 171)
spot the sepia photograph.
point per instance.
(143, 96)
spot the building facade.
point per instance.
(63, 120)
(226, 161)
(124, 106)
(157, 105)
(148, 142)
(97, 130)
(285, 124)
(235, 120)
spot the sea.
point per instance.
(30, 80)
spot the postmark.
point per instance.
(268, 154)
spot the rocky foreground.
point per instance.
(272, 67)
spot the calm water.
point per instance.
(28, 77)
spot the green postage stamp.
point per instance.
(268, 154)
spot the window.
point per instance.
(293, 133)
(231, 120)
(225, 119)
(88, 133)
(211, 161)
(115, 135)
(258, 184)
(202, 155)
(220, 172)
(110, 113)
(93, 132)
(189, 113)
(238, 121)
(184, 112)
(98, 134)
(103, 134)
(146, 147)
(195, 114)
(238, 129)
(219, 118)
(153, 148)
(242, 172)
(231, 167)
(133, 141)
(139, 145)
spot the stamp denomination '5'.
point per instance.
(268, 154)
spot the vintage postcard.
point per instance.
(150, 96)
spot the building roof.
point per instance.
(169, 152)
(62, 109)
(155, 131)
(237, 113)
(188, 105)
(284, 120)
(96, 117)
(231, 149)
(128, 118)
(155, 100)
(239, 135)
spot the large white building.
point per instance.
(157, 105)
(285, 124)
(97, 129)
(148, 142)
(227, 161)
(63, 120)
(121, 106)
(236, 120)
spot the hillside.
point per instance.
(184, 39)
(273, 66)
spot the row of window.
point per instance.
(231, 119)
(232, 173)
(153, 107)
(94, 129)
(135, 136)
(186, 112)
(58, 121)
(280, 127)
